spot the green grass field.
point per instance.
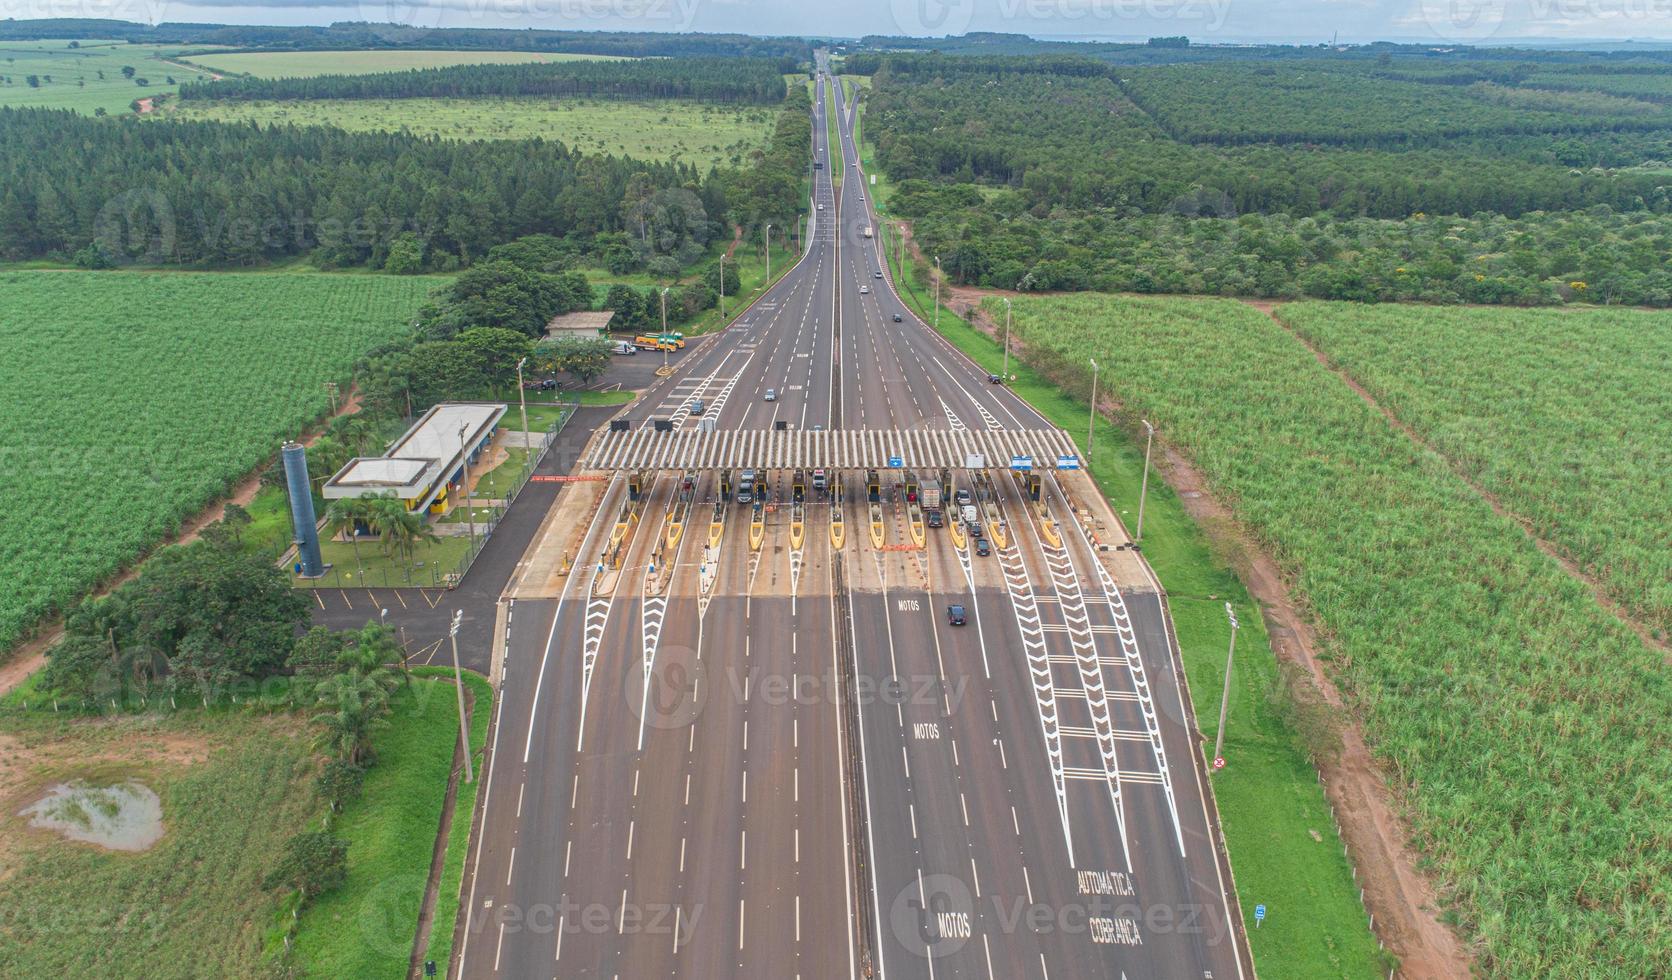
(308, 64)
(447, 899)
(700, 134)
(117, 389)
(233, 786)
(69, 78)
(1269, 799)
(366, 928)
(1565, 415)
(1523, 725)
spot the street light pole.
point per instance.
(1143, 488)
(464, 459)
(722, 287)
(522, 403)
(664, 338)
(458, 685)
(1225, 696)
(1091, 423)
(769, 253)
(937, 293)
(1006, 338)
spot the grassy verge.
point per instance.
(833, 141)
(440, 948)
(597, 398)
(431, 560)
(497, 482)
(366, 928)
(1277, 822)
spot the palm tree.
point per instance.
(355, 703)
(409, 528)
(383, 513)
(342, 516)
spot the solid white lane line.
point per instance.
(511, 864)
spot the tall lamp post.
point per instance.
(722, 287)
(1091, 423)
(1225, 696)
(937, 293)
(769, 253)
(1143, 488)
(464, 459)
(522, 403)
(1007, 341)
(458, 685)
(664, 338)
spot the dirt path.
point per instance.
(30, 655)
(145, 105)
(1402, 899)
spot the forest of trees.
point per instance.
(755, 81)
(216, 194)
(1043, 173)
(350, 35)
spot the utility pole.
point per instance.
(458, 686)
(1143, 488)
(769, 253)
(331, 389)
(1225, 696)
(900, 248)
(1091, 423)
(1006, 374)
(664, 338)
(464, 459)
(722, 287)
(522, 403)
(937, 293)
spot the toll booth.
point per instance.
(635, 484)
(873, 485)
(799, 487)
(1033, 487)
(725, 485)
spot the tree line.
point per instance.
(213, 194)
(754, 81)
(360, 35)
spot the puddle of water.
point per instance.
(122, 817)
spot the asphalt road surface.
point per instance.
(763, 751)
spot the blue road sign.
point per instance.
(1068, 462)
(1023, 463)
(1259, 914)
(895, 462)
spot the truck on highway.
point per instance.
(933, 500)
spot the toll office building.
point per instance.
(425, 468)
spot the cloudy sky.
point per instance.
(1202, 20)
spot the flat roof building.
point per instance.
(421, 465)
(586, 323)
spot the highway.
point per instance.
(738, 741)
